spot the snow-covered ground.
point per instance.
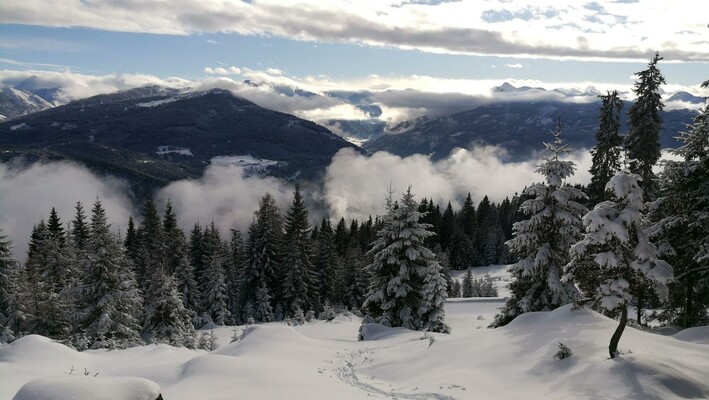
(496, 273)
(162, 150)
(324, 360)
(250, 164)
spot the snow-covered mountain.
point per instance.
(153, 135)
(520, 127)
(16, 102)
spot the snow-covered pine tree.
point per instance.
(354, 284)
(327, 264)
(445, 233)
(456, 290)
(47, 310)
(643, 140)
(682, 228)
(79, 227)
(467, 286)
(233, 264)
(178, 262)
(298, 272)
(110, 302)
(151, 247)
(7, 267)
(542, 241)
(214, 286)
(606, 154)
(460, 250)
(196, 251)
(17, 293)
(258, 274)
(166, 318)
(468, 218)
(132, 243)
(407, 286)
(342, 238)
(616, 254)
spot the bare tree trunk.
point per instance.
(613, 346)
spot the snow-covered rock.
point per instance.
(78, 387)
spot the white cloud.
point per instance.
(29, 193)
(402, 97)
(77, 86)
(223, 195)
(551, 28)
(222, 70)
(516, 65)
(355, 185)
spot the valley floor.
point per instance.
(324, 360)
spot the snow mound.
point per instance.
(268, 338)
(699, 334)
(379, 332)
(87, 388)
(38, 348)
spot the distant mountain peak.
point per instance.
(686, 97)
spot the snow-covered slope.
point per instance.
(15, 102)
(324, 360)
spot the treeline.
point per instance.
(85, 285)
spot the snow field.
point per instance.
(324, 360)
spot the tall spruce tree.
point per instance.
(151, 250)
(7, 267)
(445, 234)
(298, 288)
(354, 283)
(179, 266)
(327, 264)
(79, 227)
(606, 154)
(233, 264)
(214, 288)
(542, 241)
(259, 273)
(615, 254)
(110, 302)
(45, 310)
(682, 225)
(408, 287)
(643, 141)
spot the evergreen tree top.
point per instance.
(553, 169)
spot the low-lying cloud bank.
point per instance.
(27, 194)
(354, 187)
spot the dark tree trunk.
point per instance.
(613, 346)
(641, 301)
(689, 305)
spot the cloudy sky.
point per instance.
(352, 40)
(410, 57)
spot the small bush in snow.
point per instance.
(310, 315)
(208, 341)
(298, 316)
(327, 314)
(7, 336)
(564, 352)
